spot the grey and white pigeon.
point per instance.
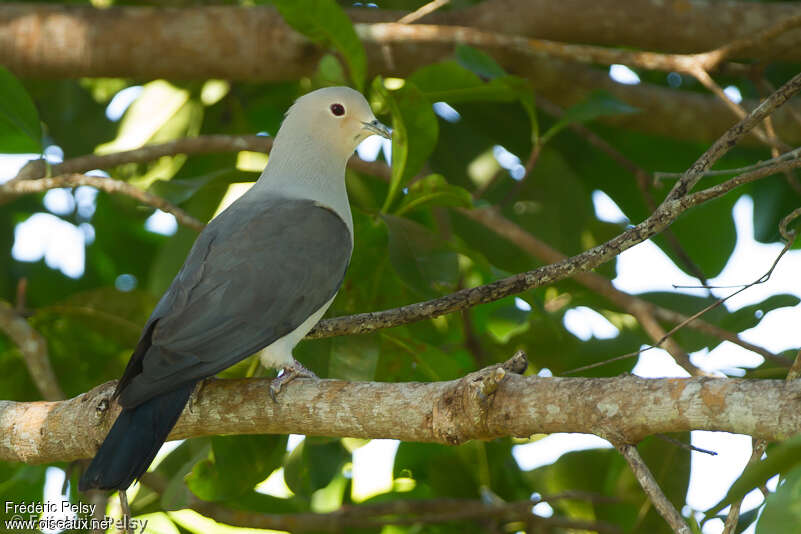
(261, 274)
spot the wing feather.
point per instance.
(254, 275)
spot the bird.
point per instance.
(259, 276)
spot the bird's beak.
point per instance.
(378, 128)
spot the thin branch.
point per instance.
(732, 518)
(398, 512)
(787, 234)
(641, 310)
(675, 204)
(202, 144)
(422, 11)
(394, 33)
(706, 80)
(720, 333)
(18, 187)
(660, 219)
(792, 154)
(685, 446)
(642, 179)
(756, 39)
(34, 351)
(489, 403)
(652, 489)
(732, 136)
(758, 447)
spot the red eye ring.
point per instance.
(337, 109)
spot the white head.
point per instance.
(333, 120)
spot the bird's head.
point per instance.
(337, 117)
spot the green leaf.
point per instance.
(354, 359)
(451, 82)
(179, 190)
(749, 316)
(434, 190)
(407, 357)
(781, 459)
(415, 131)
(236, 465)
(20, 483)
(422, 261)
(479, 62)
(597, 104)
(449, 471)
(20, 129)
(313, 464)
(325, 22)
(782, 511)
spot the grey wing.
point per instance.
(254, 275)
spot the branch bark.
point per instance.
(41, 40)
(493, 402)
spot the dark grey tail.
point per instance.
(134, 440)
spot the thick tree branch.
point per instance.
(41, 40)
(490, 403)
(397, 33)
(93, 42)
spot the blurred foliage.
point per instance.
(411, 245)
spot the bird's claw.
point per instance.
(290, 373)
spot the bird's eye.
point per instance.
(338, 109)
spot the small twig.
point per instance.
(17, 187)
(655, 331)
(787, 234)
(34, 351)
(718, 332)
(792, 154)
(471, 341)
(530, 163)
(126, 512)
(423, 11)
(732, 518)
(771, 131)
(652, 489)
(641, 309)
(706, 80)
(757, 450)
(683, 445)
(742, 179)
(22, 291)
(641, 176)
(755, 40)
(764, 278)
(732, 136)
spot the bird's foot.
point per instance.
(288, 374)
